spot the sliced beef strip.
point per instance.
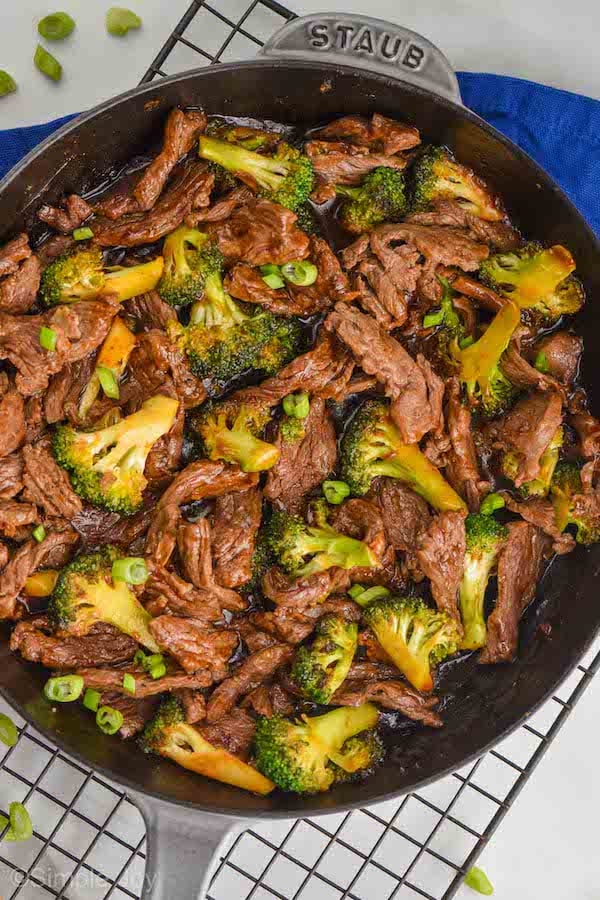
(65, 219)
(161, 536)
(233, 732)
(166, 592)
(588, 432)
(301, 593)
(390, 695)
(563, 352)
(18, 291)
(11, 476)
(392, 274)
(405, 514)
(380, 133)
(252, 672)
(12, 416)
(521, 372)
(339, 162)
(305, 463)
(499, 235)
(13, 253)
(362, 520)
(54, 246)
(14, 516)
(181, 131)
(145, 686)
(269, 700)
(150, 311)
(195, 645)
(98, 527)
(438, 244)
(463, 466)
(4, 555)
(194, 545)
(519, 567)
(483, 295)
(34, 419)
(253, 636)
(136, 713)
(194, 705)
(527, 430)
(165, 456)
(63, 396)
(222, 208)
(261, 232)
(102, 646)
(301, 602)
(441, 556)
(155, 361)
(540, 511)
(235, 523)
(30, 557)
(47, 485)
(293, 626)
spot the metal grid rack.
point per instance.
(89, 841)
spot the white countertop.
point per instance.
(547, 846)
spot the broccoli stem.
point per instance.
(334, 728)
(120, 607)
(479, 360)
(410, 465)
(241, 446)
(216, 307)
(471, 599)
(134, 280)
(333, 549)
(267, 172)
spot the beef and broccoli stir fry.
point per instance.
(286, 424)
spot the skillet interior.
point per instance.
(484, 702)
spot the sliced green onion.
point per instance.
(541, 363)
(39, 533)
(300, 273)
(336, 491)
(433, 319)
(56, 27)
(157, 670)
(270, 269)
(108, 382)
(273, 281)
(363, 596)
(119, 21)
(83, 234)
(491, 503)
(478, 881)
(8, 85)
(109, 720)
(91, 699)
(132, 569)
(21, 828)
(129, 683)
(64, 688)
(297, 405)
(140, 658)
(47, 64)
(9, 734)
(48, 338)
(466, 342)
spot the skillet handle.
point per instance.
(182, 849)
(366, 43)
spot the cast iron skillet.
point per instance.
(316, 69)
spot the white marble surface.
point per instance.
(547, 846)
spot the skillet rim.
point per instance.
(328, 69)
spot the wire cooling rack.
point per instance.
(89, 839)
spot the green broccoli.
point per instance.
(415, 636)
(262, 560)
(380, 198)
(298, 756)
(286, 177)
(231, 431)
(291, 541)
(169, 735)
(81, 275)
(485, 536)
(192, 261)
(107, 466)
(566, 489)
(307, 219)
(359, 756)
(319, 669)
(487, 386)
(539, 486)
(437, 176)
(86, 594)
(243, 135)
(536, 279)
(372, 446)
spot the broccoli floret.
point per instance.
(244, 135)
(85, 594)
(415, 636)
(565, 487)
(372, 447)
(485, 536)
(307, 219)
(191, 261)
(80, 275)
(536, 279)
(359, 757)
(286, 177)
(231, 431)
(262, 560)
(303, 549)
(437, 176)
(380, 198)
(107, 466)
(169, 735)
(319, 669)
(487, 386)
(539, 486)
(297, 756)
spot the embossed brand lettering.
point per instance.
(319, 35)
(389, 46)
(385, 46)
(343, 33)
(413, 57)
(364, 41)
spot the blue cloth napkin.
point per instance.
(559, 129)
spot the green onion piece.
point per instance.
(91, 699)
(132, 569)
(64, 688)
(48, 338)
(297, 405)
(491, 503)
(47, 64)
(119, 21)
(129, 683)
(56, 26)
(83, 234)
(21, 828)
(9, 734)
(158, 670)
(140, 658)
(109, 720)
(108, 382)
(273, 281)
(466, 342)
(39, 533)
(541, 363)
(8, 85)
(270, 269)
(299, 272)
(433, 319)
(3, 822)
(363, 596)
(336, 491)
(478, 881)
